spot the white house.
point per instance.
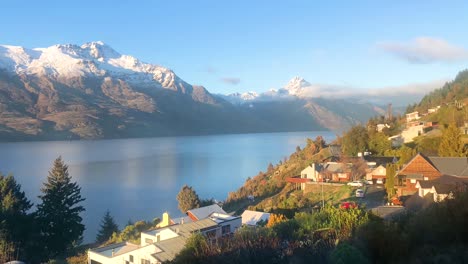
(412, 116)
(163, 244)
(251, 218)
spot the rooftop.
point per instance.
(115, 249)
(252, 217)
(204, 212)
(451, 165)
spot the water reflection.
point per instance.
(140, 178)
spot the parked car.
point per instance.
(370, 182)
(355, 184)
(347, 205)
(360, 193)
(379, 181)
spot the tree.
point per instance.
(108, 227)
(379, 143)
(59, 211)
(451, 144)
(15, 223)
(390, 181)
(188, 199)
(355, 140)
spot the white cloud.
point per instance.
(425, 50)
(229, 80)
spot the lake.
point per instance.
(138, 179)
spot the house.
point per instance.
(378, 173)
(337, 171)
(422, 168)
(410, 133)
(204, 212)
(464, 129)
(251, 218)
(442, 187)
(163, 244)
(380, 127)
(412, 116)
(378, 167)
(312, 172)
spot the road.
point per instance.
(374, 196)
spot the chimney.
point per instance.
(112, 252)
(166, 220)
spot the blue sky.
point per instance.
(238, 46)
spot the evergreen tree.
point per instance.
(355, 140)
(59, 211)
(188, 199)
(15, 223)
(108, 227)
(451, 144)
(390, 181)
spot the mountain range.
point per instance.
(92, 91)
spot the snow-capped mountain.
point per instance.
(89, 59)
(92, 91)
(296, 88)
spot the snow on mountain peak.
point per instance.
(90, 59)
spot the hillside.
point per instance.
(456, 90)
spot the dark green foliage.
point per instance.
(451, 144)
(108, 227)
(15, 222)
(451, 91)
(346, 253)
(188, 199)
(390, 180)
(59, 211)
(355, 140)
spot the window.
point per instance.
(145, 261)
(131, 258)
(95, 262)
(148, 241)
(226, 229)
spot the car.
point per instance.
(360, 193)
(355, 184)
(379, 181)
(348, 205)
(370, 182)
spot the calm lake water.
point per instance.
(139, 179)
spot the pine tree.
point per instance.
(16, 226)
(188, 199)
(108, 227)
(451, 144)
(59, 211)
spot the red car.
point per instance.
(347, 205)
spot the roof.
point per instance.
(181, 220)
(115, 249)
(187, 229)
(252, 217)
(444, 188)
(170, 248)
(335, 166)
(451, 165)
(381, 160)
(204, 212)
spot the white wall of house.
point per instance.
(310, 173)
(160, 235)
(411, 132)
(143, 253)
